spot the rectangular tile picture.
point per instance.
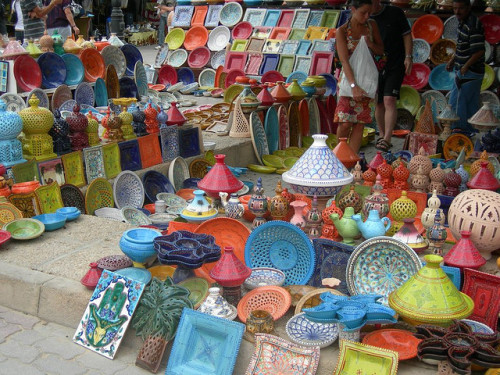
(51, 171)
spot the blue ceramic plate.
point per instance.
(270, 62)
(331, 84)
(185, 75)
(53, 70)
(67, 105)
(132, 55)
(51, 221)
(155, 183)
(440, 79)
(271, 126)
(101, 93)
(128, 88)
(298, 75)
(84, 94)
(271, 18)
(75, 72)
(141, 275)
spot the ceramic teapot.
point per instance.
(373, 226)
(346, 226)
(234, 209)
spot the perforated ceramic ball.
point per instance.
(477, 211)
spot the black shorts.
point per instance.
(389, 83)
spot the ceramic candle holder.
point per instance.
(259, 321)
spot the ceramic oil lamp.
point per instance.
(77, 125)
(215, 304)
(400, 175)
(484, 179)
(452, 181)
(314, 220)
(137, 244)
(465, 178)
(60, 134)
(37, 121)
(91, 278)
(279, 205)
(429, 214)
(138, 124)
(126, 117)
(430, 296)
(346, 226)
(420, 181)
(403, 208)
(385, 171)
(280, 94)
(409, 235)
(187, 250)
(436, 235)
(219, 179)
(230, 273)
(265, 97)
(350, 198)
(376, 161)
(258, 204)
(345, 153)
(175, 117)
(357, 174)
(476, 166)
(447, 117)
(93, 131)
(374, 226)
(199, 209)
(296, 91)
(151, 119)
(464, 254)
(11, 125)
(114, 124)
(298, 217)
(369, 176)
(436, 176)
(376, 201)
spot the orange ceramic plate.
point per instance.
(157, 87)
(93, 63)
(400, 133)
(187, 194)
(454, 144)
(227, 232)
(196, 36)
(428, 27)
(398, 340)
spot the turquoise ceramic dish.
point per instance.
(71, 213)
(138, 274)
(75, 72)
(51, 221)
(440, 79)
(101, 93)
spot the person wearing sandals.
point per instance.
(352, 113)
(398, 46)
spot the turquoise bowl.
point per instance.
(51, 221)
(71, 213)
(138, 245)
(74, 69)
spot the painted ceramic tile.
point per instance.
(51, 171)
(25, 172)
(111, 155)
(169, 137)
(94, 163)
(427, 141)
(73, 168)
(26, 203)
(49, 198)
(130, 156)
(149, 146)
(108, 314)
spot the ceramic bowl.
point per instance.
(137, 243)
(25, 229)
(162, 219)
(264, 276)
(191, 183)
(207, 145)
(51, 221)
(304, 332)
(71, 213)
(4, 236)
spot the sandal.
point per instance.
(383, 145)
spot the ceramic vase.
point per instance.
(11, 125)
(278, 205)
(346, 226)
(151, 120)
(232, 207)
(258, 204)
(298, 217)
(436, 235)
(374, 226)
(137, 244)
(385, 172)
(464, 254)
(376, 201)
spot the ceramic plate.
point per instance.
(49, 198)
(61, 94)
(255, 16)
(134, 216)
(356, 358)
(305, 332)
(455, 143)
(42, 96)
(440, 79)
(140, 78)
(14, 102)
(218, 59)
(409, 99)
(75, 72)
(230, 14)
(155, 183)
(198, 288)
(114, 56)
(8, 213)
(128, 190)
(161, 55)
(84, 94)
(27, 73)
(259, 138)
(272, 129)
(99, 194)
(67, 105)
(140, 275)
(207, 78)
(110, 213)
(450, 30)
(101, 93)
(212, 18)
(93, 63)
(401, 341)
(53, 70)
(132, 56)
(380, 265)
(185, 75)
(25, 229)
(219, 38)
(421, 50)
(72, 197)
(177, 58)
(178, 171)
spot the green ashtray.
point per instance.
(25, 229)
(272, 161)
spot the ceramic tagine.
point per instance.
(484, 179)
(258, 204)
(70, 46)
(346, 226)
(91, 278)
(376, 161)
(77, 125)
(278, 206)
(248, 100)
(345, 153)
(175, 117)
(296, 91)
(37, 122)
(318, 171)
(374, 226)
(217, 305)
(232, 207)
(219, 179)
(199, 209)
(11, 125)
(280, 94)
(464, 254)
(409, 235)
(13, 50)
(376, 201)
(430, 297)
(265, 97)
(33, 49)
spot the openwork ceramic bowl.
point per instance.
(273, 299)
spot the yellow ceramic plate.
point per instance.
(8, 213)
(489, 77)
(232, 92)
(454, 144)
(175, 38)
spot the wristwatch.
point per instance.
(353, 85)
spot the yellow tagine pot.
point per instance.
(430, 297)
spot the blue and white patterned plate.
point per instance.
(259, 138)
(421, 50)
(67, 106)
(450, 30)
(42, 96)
(177, 58)
(300, 18)
(132, 55)
(314, 18)
(305, 332)
(128, 190)
(14, 102)
(84, 94)
(298, 75)
(212, 17)
(140, 78)
(218, 59)
(161, 55)
(114, 56)
(207, 78)
(302, 63)
(101, 93)
(264, 276)
(230, 14)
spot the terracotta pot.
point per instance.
(25, 187)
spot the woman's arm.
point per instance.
(375, 43)
(42, 12)
(341, 45)
(71, 20)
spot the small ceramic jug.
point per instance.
(233, 208)
(373, 226)
(346, 226)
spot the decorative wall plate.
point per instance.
(128, 190)
(401, 341)
(140, 78)
(175, 38)
(27, 73)
(283, 246)
(196, 36)
(72, 197)
(75, 71)
(255, 16)
(297, 34)
(14, 102)
(323, 45)
(49, 198)
(303, 47)
(284, 133)
(99, 194)
(300, 18)
(149, 147)
(302, 63)
(321, 62)
(450, 28)
(73, 168)
(111, 155)
(219, 38)
(421, 50)
(182, 16)
(94, 163)
(218, 59)
(178, 171)
(455, 143)
(134, 216)
(259, 138)
(380, 265)
(305, 332)
(269, 63)
(93, 63)
(8, 213)
(271, 17)
(314, 18)
(484, 289)
(205, 344)
(84, 94)
(26, 203)
(285, 65)
(409, 99)
(289, 47)
(440, 79)
(207, 78)
(130, 156)
(161, 55)
(273, 355)
(128, 88)
(114, 56)
(239, 45)
(230, 14)
(112, 82)
(109, 213)
(53, 70)
(355, 357)
(212, 18)
(132, 56)
(272, 129)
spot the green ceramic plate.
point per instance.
(290, 161)
(280, 153)
(409, 99)
(198, 288)
(489, 77)
(281, 170)
(307, 141)
(232, 92)
(261, 168)
(272, 161)
(294, 151)
(175, 38)
(25, 229)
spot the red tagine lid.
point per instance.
(219, 179)
(464, 254)
(484, 179)
(92, 276)
(175, 117)
(265, 97)
(229, 271)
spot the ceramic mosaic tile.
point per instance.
(183, 15)
(73, 168)
(51, 171)
(315, 18)
(255, 16)
(130, 156)
(94, 163)
(212, 18)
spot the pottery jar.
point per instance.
(403, 208)
(232, 207)
(298, 217)
(279, 205)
